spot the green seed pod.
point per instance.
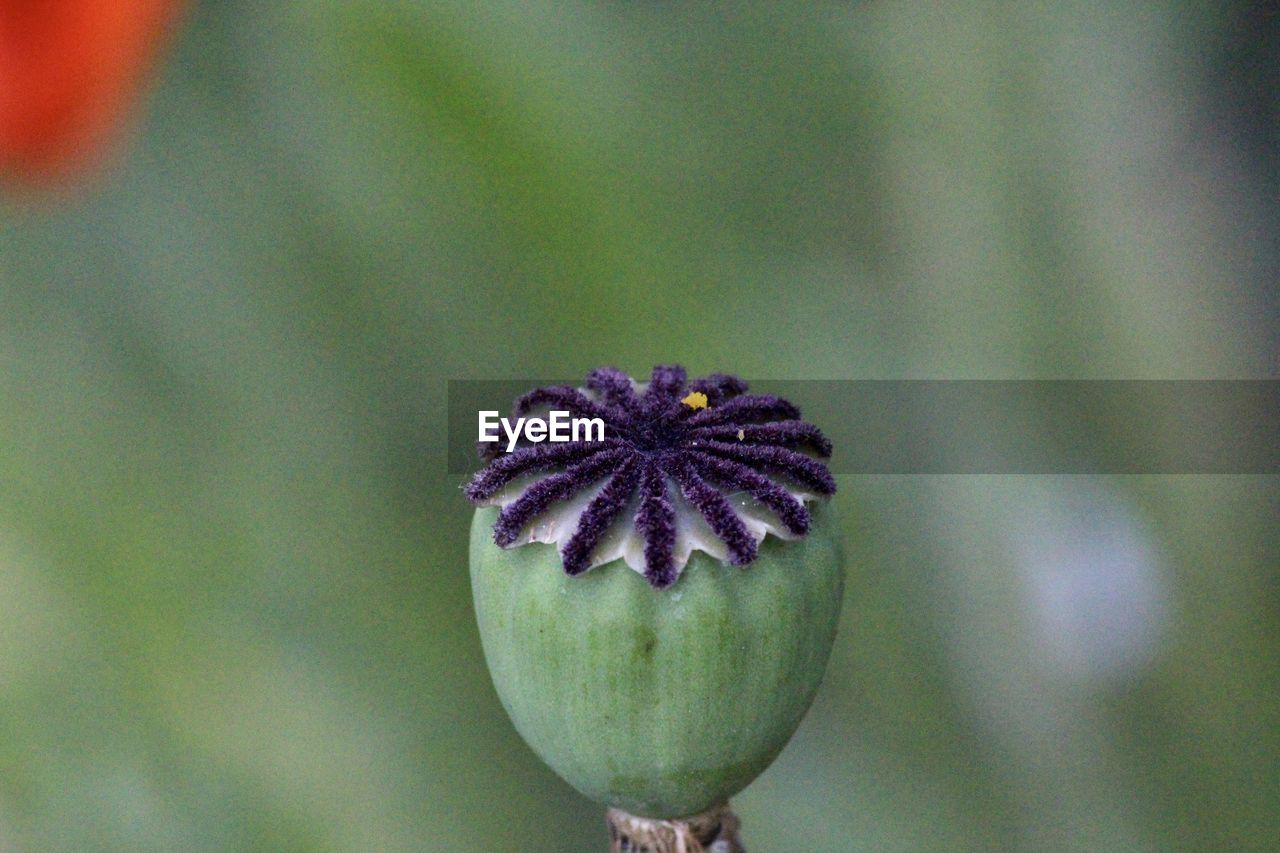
(665, 690)
(659, 702)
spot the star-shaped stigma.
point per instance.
(693, 465)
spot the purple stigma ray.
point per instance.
(656, 520)
(790, 511)
(749, 409)
(527, 460)
(719, 515)
(560, 397)
(792, 463)
(543, 493)
(656, 442)
(615, 387)
(599, 514)
(665, 384)
(718, 386)
(782, 433)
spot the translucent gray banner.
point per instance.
(993, 426)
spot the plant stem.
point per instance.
(712, 831)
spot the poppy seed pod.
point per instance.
(665, 690)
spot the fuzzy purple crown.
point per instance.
(708, 438)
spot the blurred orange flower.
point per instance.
(69, 71)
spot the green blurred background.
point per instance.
(234, 606)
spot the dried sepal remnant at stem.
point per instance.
(716, 829)
(683, 465)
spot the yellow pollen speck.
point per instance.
(695, 400)
(742, 436)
